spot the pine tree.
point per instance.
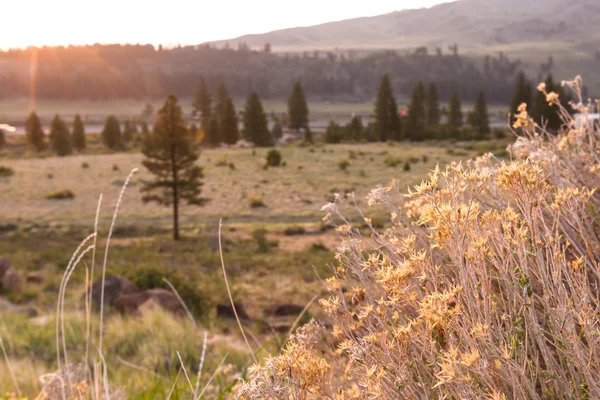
(78, 136)
(417, 115)
(34, 133)
(479, 119)
(222, 97)
(228, 124)
(127, 132)
(111, 134)
(521, 94)
(387, 120)
(277, 130)
(171, 156)
(546, 114)
(256, 128)
(145, 130)
(211, 132)
(298, 109)
(455, 116)
(59, 137)
(355, 130)
(202, 101)
(433, 105)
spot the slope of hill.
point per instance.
(531, 30)
(471, 23)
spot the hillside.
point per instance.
(530, 30)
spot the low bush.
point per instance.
(6, 171)
(343, 165)
(62, 194)
(273, 158)
(294, 230)
(256, 201)
(391, 161)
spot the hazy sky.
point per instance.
(61, 22)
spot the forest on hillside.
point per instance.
(107, 72)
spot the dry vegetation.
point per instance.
(485, 287)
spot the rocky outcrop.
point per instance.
(134, 304)
(114, 286)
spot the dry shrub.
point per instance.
(486, 286)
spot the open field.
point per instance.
(294, 192)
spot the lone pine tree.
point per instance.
(171, 156)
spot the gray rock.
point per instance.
(114, 286)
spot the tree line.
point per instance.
(105, 72)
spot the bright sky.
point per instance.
(62, 22)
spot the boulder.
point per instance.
(35, 277)
(114, 286)
(4, 266)
(136, 303)
(283, 310)
(226, 311)
(12, 281)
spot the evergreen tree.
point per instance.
(171, 156)
(547, 114)
(479, 117)
(256, 128)
(222, 98)
(202, 101)
(127, 131)
(228, 124)
(455, 116)
(334, 133)
(298, 109)
(60, 138)
(78, 136)
(417, 115)
(34, 133)
(387, 120)
(521, 94)
(211, 132)
(111, 134)
(355, 130)
(277, 130)
(145, 130)
(433, 105)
